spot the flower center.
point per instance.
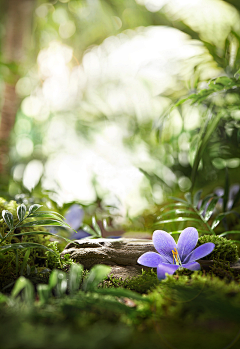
(176, 257)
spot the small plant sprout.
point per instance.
(172, 256)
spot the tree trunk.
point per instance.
(18, 28)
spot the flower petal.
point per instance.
(151, 259)
(200, 252)
(187, 242)
(192, 266)
(164, 268)
(164, 244)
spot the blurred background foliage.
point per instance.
(87, 95)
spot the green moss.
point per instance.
(224, 249)
(141, 284)
(54, 261)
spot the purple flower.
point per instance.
(74, 216)
(172, 256)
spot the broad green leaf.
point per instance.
(23, 284)
(96, 227)
(21, 211)
(75, 277)
(21, 245)
(210, 208)
(45, 222)
(34, 208)
(8, 218)
(219, 217)
(44, 293)
(97, 274)
(196, 197)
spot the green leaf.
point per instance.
(96, 227)
(34, 208)
(53, 278)
(177, 212)
(230, 232)
(236, 199)
(17, 260)
(236, 241)
(61, 284)
(188, 197)
(75, 277)
(89, 230)
(48, 214)
(45, 215)
(44, 293)
(25, 260)
(173, 205)
(23, 283)
(196, 197)
(97, 274)
(210, 208)
(43, 233)
(205, 134)
(226, 190)
(8, 218)
(204, 203)
(179, 219)
(219, 217)
(21, 245)
(3, 298)
(45, 222)
(179, 200)
(21, 211)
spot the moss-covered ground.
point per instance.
(188, 310)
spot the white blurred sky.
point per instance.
(123, 76)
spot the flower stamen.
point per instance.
(176, 257)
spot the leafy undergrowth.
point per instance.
(181, 312)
